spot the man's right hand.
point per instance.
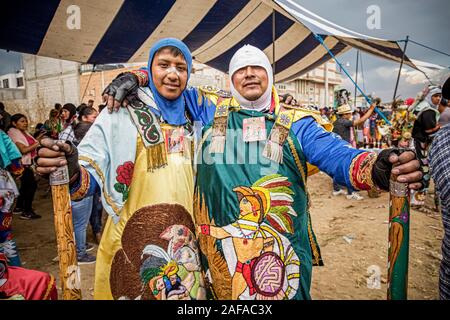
(57, 153)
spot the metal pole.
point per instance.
(356, 78)
(273, 44)
(400, 70)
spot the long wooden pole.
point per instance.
(398, 248)
(69, 271)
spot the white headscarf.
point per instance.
(251, 56)
(433, 90)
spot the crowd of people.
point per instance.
(217, 222)
(18, 185)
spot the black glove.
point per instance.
(121, 86)
(381, 171)
(72, 161)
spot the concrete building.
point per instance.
(46, 81)
(12, 80)
(312, 87)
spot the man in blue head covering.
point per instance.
(141, 157)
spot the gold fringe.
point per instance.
(156, 156)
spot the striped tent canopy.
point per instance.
(121, 31)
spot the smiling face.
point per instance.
(169, 74)
(251, 82)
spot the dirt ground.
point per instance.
(352, 236)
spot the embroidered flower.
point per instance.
(404, 217)
(124, 176)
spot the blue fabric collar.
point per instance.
(172, 111)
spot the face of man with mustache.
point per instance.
(169, 74)
(251, 82)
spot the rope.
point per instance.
(318, 37)
(436, 50)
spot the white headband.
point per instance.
(249, 55)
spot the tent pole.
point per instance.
(356, 78)
(400, 69)
(273, 44)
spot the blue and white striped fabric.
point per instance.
(440, 170)
(120, 31)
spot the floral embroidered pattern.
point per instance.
(361, 171)
(124, 175)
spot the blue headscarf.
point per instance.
(172, 110)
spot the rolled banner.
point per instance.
(69, 271)
(398, 247)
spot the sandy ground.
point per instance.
(352, 235)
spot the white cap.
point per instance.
(249, 55)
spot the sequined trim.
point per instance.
(361, 171)
(142, 77)
(83, 188)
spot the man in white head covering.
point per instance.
(252, 78)
(265, 225)
(251, 204)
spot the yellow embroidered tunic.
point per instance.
(154, 195)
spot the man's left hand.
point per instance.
(407, 168)
(404, 165)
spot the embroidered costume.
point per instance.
(142, 158)
(252, 203)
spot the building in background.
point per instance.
(312, 87)
(12, 80)
(46, 81)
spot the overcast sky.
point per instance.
(425, 21)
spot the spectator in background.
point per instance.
(287, 98)
(58, 107)
(440, 171)
(81, 210)
(38, 130)
(68, 116)
(80, 107)
(10, 169)
(53, 124)
(86, 118)
(27, 145)
(444, 110)
(342, 127)
(101, 107)
(5, 118)
(90, 103)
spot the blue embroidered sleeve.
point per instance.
(200, 107)
(325, 150)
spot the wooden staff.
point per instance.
(398, 249)
(69, 271)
